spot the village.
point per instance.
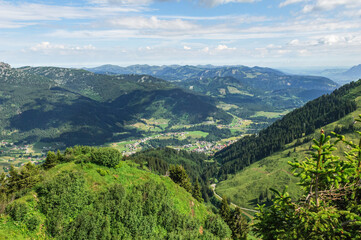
(15, 155)
(209, 148)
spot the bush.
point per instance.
(32, 222)
(17, 210)
(108, 157)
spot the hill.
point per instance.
(80, 107)
(343, 76)
(254, 93)
(80, 198)
(256, 77)
(257, 163)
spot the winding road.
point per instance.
(213, 187)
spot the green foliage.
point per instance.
(330, 208)
(225, 210)
(17, 210)
(179, 175)
(74, 201)
(238, 225)
(108, 157)
(62, 198)
(51, 160)
(196, 193)
(300, 122)
(24, 178)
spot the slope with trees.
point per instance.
(79, 197)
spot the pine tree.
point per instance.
(197, 192)
(331, 206)
(51, 160)
(225, 211)
(179, 175)
(239, 225)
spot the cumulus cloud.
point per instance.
(187, 48)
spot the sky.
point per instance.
(268, 33)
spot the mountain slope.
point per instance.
(256, 77)
(87, 201)
(298, 123)
(240, 90)
(250, 186)
(80, 107)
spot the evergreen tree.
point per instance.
(225, 210)
(239, 225)
(51, 160)
(179, 175)
(331, 206)
(197, 192)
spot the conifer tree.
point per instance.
(51, 160)
(331, 205)
(179, 175)
(197, 192)
(238, 225)
(225, 210)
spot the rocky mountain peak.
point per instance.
(4, 66)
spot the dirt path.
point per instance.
(213, 187)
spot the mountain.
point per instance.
(240, 90)
(256, 163)
(80, 107)
(341, 75)
(353, 73)
(82, 197)
(256, 77)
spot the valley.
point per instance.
(229, 138)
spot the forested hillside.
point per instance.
(90, 193)
(301, 122)
(78, 107)
(251, 185)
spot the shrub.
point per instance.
(108, 157)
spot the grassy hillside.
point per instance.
(250, 186)
(79, 200)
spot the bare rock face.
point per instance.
(4, 66)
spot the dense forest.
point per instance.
(299, 123)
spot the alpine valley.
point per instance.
(177, 152)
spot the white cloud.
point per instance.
(326, 5)
(288, 2)
(205, 49)
(187, 48)
(14, 15)
(224, 47)
(212, 3)
(45, 46)
(209, 3)
(151, 23)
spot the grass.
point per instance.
(270, 114)
(245, 187)
(127, 174)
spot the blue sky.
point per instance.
(272, 33)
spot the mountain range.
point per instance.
(80, 107)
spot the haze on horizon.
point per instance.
(272, 33)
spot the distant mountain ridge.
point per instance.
(80, 107)
(258, 77)
(249, 89)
